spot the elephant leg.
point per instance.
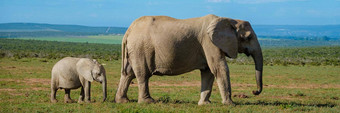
(142, 74)
(124, 83)
(87, 90)
(67, 97)
(207, 81)
(53, 94)
(81, 97)
(143, 87)
(223, 81)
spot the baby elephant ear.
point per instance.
(84, 69)
(223, 35)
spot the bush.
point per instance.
(314, 56)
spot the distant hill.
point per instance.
(35, 29)
(263, 31)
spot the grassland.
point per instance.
(102, 39)
(24, 87)
(295, 80)
(13, 48)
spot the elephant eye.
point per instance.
(250, 36)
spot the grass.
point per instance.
(24, 87)
(295, 79)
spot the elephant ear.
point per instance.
(84, 69)
(223, 35)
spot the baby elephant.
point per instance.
(72, 73)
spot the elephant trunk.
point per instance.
(104, 83)
(258, 59)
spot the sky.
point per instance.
(120, 13)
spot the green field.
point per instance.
(296, 79)
(24, 87)
(103, 39)
(117, 39)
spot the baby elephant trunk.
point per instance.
(104, 90)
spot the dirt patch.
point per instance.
(306, 86)
(240, 96)
(292, 86)
(13, 92)
(38, 81)
(11, 67)
(284, 98)
(194, 83)
(16, 92)
(33, 88)
(7, 89)
(30, 81)
(39, 88)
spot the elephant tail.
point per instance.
(124, 56)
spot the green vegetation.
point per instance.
(18, 49)
(296, 79)
(289, 43)
(51, 50)
(296, 56)
(102, 39)
(24, 87)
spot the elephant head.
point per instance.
(237, 36)
(92, 70)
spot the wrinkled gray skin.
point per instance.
(161, 45)
(72, 73)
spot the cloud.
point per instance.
(218, 1)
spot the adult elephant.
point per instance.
(161, 45)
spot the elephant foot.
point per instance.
(146, 100)
(54, 100)
(204, 102)
(229, 103)
(122, 100)
(81, 100)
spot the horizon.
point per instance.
(110, 13)
(128, 26)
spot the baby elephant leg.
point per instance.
(53, 95)
(87, 91)
(67, 97)
(82, 95)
